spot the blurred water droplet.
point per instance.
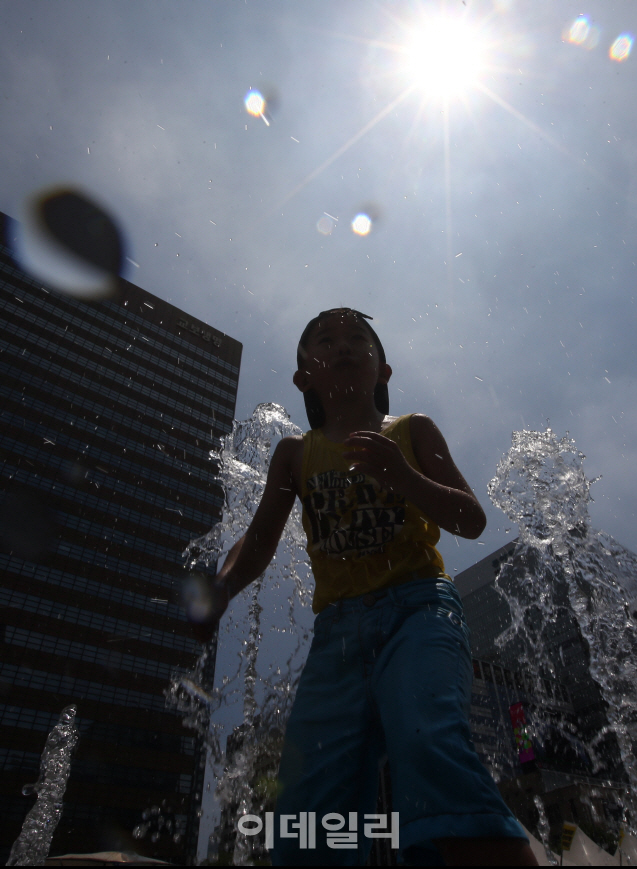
(69, 242)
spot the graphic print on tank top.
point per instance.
(351, 515)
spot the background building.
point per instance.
(549, 758)
(488, 614)
(108, 412)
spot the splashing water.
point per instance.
(565, 577)
(31, 848)
(159, 821)
(543, 829)
(246, 774)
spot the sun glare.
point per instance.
(444, 56)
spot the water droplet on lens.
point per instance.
(71, 243)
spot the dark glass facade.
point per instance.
(564, 714)
(108, 413)
(488, 614)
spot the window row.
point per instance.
(135, 518)
(80, 689)
(14, 760)
(487, 739)
(111, 535)
(103, 772)
(96, 621)
(24, 337)
(171, 338)
(67, 376)
(102, 505)
(93, 324)
(120, 565)
(89, 314)
(29, 719)
(483, 700)
(109, 658)
(156, 455)
(516, 682)
(44, 454)
(11, 565)
(209, 385)
(478, 720)
(119, 734)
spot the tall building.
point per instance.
(108, 413)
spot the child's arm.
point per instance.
(440, 490)
(252, 553)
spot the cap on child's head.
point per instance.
(313, 406)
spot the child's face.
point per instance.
(340, 353)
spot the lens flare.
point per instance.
(582, 33)
(445, 56)
(621, 48)
(362, 224)
(325, 225)
(579, 30)
(254, 103)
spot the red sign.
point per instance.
(522, 739)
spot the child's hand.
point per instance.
(380, 458)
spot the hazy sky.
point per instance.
(500, 269)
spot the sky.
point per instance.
(500, 266)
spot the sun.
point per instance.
(436, 58)
(443, 56)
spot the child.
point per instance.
(389, 671)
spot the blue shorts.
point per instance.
(388, 676)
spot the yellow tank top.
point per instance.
(361, 537)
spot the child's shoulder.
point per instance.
(289, 448)
(419, 424)
(422, 427)
(428, 444)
